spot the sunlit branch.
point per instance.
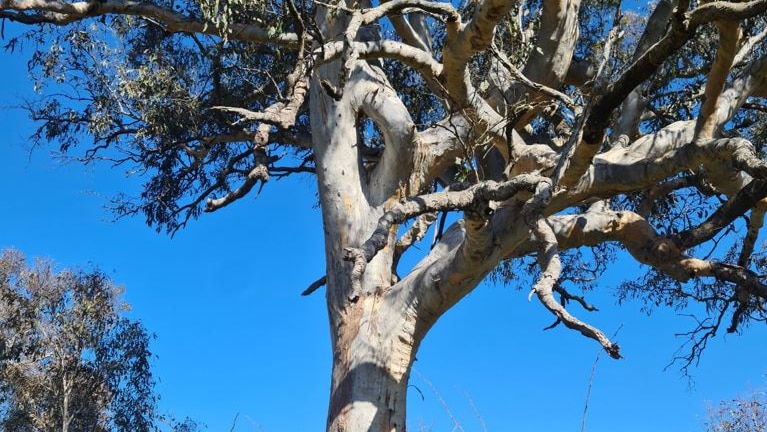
(682, 29)
(517, 74)
(726, 11)
(755, 223)
(551, 268)
(748, 45)
(364, 17)
(648, 247)
(60, 12)
(729, 36)
(549, 60)
(474, 198)
(259, 171)
(413, 30)
(418, 59)
(634, 105)
(414, 234)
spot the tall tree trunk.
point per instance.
(372, 340)
(66, 392)
(372, 355)
(371, 352)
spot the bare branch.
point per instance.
(729, 36)
(746, 199)
(517, 74)
(683, 27)
(60, 13)
(550, 58)
(670, 151)
(755, 223)
(633, 105)
(315, 286)
(647, 247)
(567, 297)
(258, 172)
(548, 258)
(414, 234)
(726, 11)
(464, 40)
(412, 30)
(418, 59)
(476, 198)
(368, 16)
(748, 45)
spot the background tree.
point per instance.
(551, 127)
(69, 360)
(743, 414)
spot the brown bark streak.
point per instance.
(377, 323)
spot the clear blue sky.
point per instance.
(234, 335)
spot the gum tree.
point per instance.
(549, 127)
(68, 360)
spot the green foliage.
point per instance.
(144, 96)
(69, 359)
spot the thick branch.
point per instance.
(748, 45)
(474, 199)
(418, 59)
(633, 106)
(60, 12)
(735, 207)
(647, 247)
(729, 36)
(364, 17)
(413, 30)
(550, 59)
(374, 96)
(464, 40)
(656, 157)
(683, 28)
(726, 11)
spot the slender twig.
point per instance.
(591, 382)
(456, 424)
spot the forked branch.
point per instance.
(551, 268)
(475, 198)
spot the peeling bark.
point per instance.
(492, 157)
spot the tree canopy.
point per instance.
(69, 360)
(742, 414)
(561, 130)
